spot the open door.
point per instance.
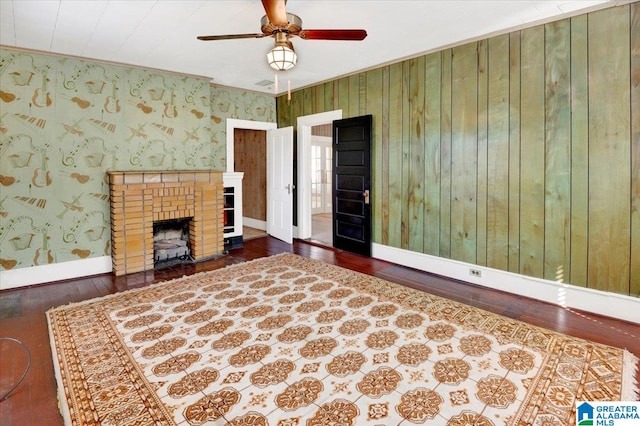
(352, 184)
(280, 184)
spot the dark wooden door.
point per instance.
(352, 184)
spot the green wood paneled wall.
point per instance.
(520, 152)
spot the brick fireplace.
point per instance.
(140, 198)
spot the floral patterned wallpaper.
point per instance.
(64, 122)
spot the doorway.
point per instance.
(321, 171)
(271, 130)
(250, 153)
(252, 227)
(305, 125)
(321, 179)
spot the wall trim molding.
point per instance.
(566, 295)
(254, 223)
(23, 277)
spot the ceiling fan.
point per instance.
(281, 25)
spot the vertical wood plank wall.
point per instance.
(520, 152)
(609, 183)
(250, 153)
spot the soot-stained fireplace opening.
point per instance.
(171, 242)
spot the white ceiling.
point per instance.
(161, 34)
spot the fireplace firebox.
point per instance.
(171, 242)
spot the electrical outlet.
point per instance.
(475, 272)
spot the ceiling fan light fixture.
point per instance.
(281, 25)
(282, 58)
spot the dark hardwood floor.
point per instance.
(22, 316)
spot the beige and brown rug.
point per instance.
(287, 341)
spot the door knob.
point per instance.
(365, 194)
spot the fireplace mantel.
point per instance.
(138, 198)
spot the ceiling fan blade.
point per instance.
(231, 36)
(350, 35)
(276, 11)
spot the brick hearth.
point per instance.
(138, 198)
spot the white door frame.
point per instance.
(234, 123)
(304, 124)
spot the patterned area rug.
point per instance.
(291, 341)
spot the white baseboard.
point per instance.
(262, 225)
(570, 296)
(254, 223)
(22, 277)
(604, 303)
